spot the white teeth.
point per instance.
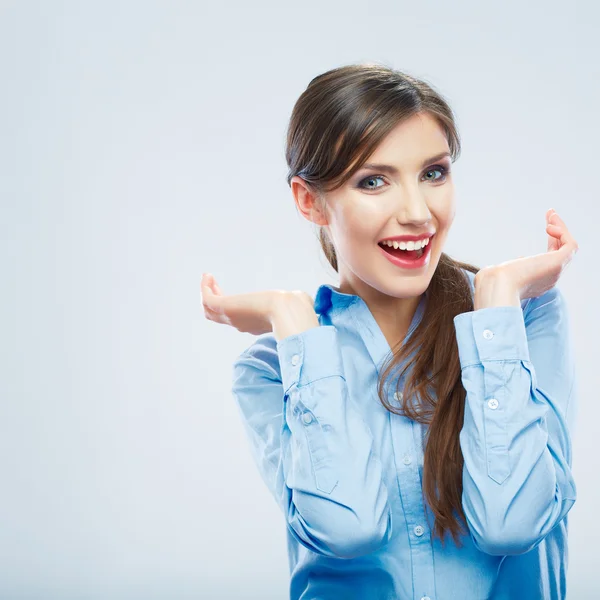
(407, 245)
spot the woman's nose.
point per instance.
(414, 209)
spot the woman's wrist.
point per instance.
(292, 315)
(494, 289)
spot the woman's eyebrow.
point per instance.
(394, 171)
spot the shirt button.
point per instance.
(425, 598)
(398, 395)
(493, 403)
(407, 459)
(487, 334)
(307, 418)
(419, 531)
(295, 359)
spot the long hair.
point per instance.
(335, 125)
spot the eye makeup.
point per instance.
(443, 169)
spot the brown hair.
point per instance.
(335, 125)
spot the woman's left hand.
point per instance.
(531, 276)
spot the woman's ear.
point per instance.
(308, 202)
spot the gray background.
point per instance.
(141, 143)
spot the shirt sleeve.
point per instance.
(519, 374)
(311, 445)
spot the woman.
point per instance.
(412, 423)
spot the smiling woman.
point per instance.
(407, 149)
(457, 482)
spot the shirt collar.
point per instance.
(328, 302)
(328, 299)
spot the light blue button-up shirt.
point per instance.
(347, 473)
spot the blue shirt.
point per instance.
(347, 473)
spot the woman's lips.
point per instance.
(405, 262)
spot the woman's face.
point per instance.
(416, 198)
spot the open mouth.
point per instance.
(407, 254)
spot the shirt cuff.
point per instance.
(309, 355)
(492, 333)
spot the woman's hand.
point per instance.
(249, 313)
(531, 276)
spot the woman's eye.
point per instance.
(368, 179)
(443, 170)
(363, 184)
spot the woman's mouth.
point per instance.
(407, 259)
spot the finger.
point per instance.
(555, 219)
(215, 286)
(559, 228)
(567, 245)
(213, 299)
(211, 302)
(204, 288)
(210, 281)
(554, 232)
(207, 294)
(214, 306)
(212, 314)
(209, 314)
(216, 317)
(572, 247)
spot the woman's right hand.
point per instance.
(252, 312)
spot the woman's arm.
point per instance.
(313, 449)
(519, 374)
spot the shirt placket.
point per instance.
(407, 455)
